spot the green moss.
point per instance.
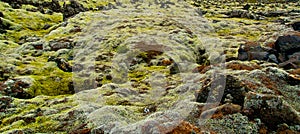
(137, 75)
(28, 7)
(27, 23)
(15, 119)
(7, 47)
(95, 3)
(116, 100)
(54, 84)
(43, 124)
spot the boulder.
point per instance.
(271, 109)
(296, 26)
(287, 45)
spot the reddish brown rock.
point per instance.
(235, 65)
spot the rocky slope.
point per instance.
(85, 66)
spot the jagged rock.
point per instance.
(53, 4)
(292, 62)
(25, 39)
(185, 128)
(141, 55)
(219, 111)
(271, 109)
(6, 71)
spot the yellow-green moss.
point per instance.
(28, 7)
(42, 123)
(48, 78)
(53, 84)
(31, 23)
(7, 47)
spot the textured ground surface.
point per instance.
(149, 67)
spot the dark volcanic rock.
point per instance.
(296, 26)
(72, 9)
(286, 46)
(253, 51)
(52, 5)
(247, 7)
(284, 52)
(1, 14)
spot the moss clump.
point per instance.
(51, 81)
(55, 84)
(24, 23)
(48, 78)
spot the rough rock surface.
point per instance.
(133, 66)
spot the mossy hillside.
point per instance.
(25, 23)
